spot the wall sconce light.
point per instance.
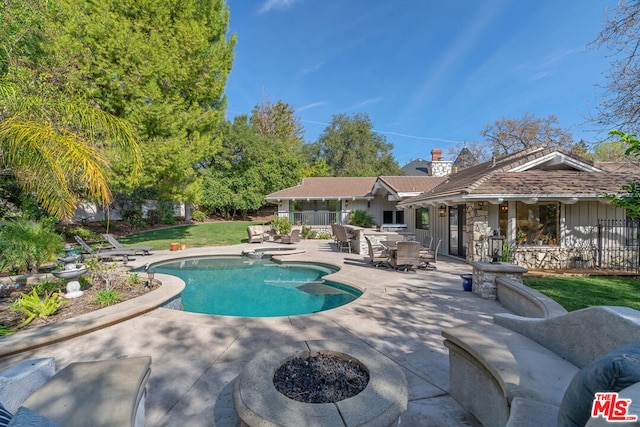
(346, 203)
(495, 246)
(442, 210)
(504, 207)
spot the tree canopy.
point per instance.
(350, 147)
(160, 64)
(629, 199)
(51, 140)
(620, 107)
(506, 136)
(249, 166)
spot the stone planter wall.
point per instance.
(543, 257)
(486, 273)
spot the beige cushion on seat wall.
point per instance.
(101, 393)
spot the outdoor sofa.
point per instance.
(521, 371)
(258, 233)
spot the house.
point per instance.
(324, 201)
(548, 204)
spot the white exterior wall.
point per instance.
(93, 212)
(581, 219)
(438, 228)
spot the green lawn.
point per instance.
(574, 293)
(194, 236)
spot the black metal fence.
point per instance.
(618, 245)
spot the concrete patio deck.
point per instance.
(196, 357)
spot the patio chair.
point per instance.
(426, 244)
(116, 245)
(377, 258)
(430, 258)
(293, 237)
(343, 238)
(106, 254)
(406, 256)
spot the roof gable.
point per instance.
(556, 160)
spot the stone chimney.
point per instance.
(439, 167)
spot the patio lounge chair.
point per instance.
(106, 254)
(430, 258)
(293, 237)
(406, 256)
(116, 245)
(377, 258)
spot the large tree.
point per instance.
(249, 166)
(278, 121)
(51, 140)
(163, 66)
(506, 136)
(350, 147)
(620, 107)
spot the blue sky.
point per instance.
(429, 73)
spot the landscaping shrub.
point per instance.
(83, 232)
(48, 286)
(133, 217)
(107, 297)
(308, 232)
(154, 217)
(32, 306)
(281, 225)
(27, 244)
(198, 216)
(323, 235)
(361, 218)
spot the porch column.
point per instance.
(485, 274)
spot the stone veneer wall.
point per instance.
(554, 257)
(485, 274)
(477, 226)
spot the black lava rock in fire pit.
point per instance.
(321, 378)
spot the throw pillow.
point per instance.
(25, 417)
(616, 370)
(5, 416)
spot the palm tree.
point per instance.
(54, 146)
(51, 142)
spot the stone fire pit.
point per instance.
(259, 403)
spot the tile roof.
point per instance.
(329, 188)
(358, 187)
(554, 182)
(493, 177)
(410, 184)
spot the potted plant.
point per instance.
(521, 237)
(281, 225)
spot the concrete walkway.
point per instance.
(197, 357)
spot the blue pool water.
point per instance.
(242, 286)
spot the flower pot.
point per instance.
(175, 246)
(467, 282)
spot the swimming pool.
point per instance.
(255, 287)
